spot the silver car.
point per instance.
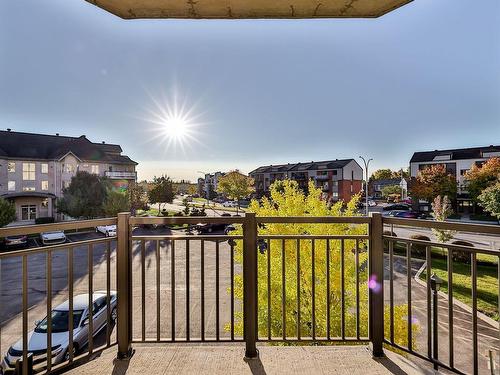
(37, 339)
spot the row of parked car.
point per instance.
(51, 237)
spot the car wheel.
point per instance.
(66, 355)
(114, 314)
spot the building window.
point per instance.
(45, 168)
(463, 172)
(335, 195)
(29, 171)
(28, 212)
(335, 183)
(335, 172)
(12, 185)
(95, 169)
(11, 167)
(28, 188)
(45, 185)
(352, 175)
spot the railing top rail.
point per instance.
(461, 227)
(66, 225)
(469, 249)
(187, 220)
(313, 220)
(43, 249)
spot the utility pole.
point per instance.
(367, 164)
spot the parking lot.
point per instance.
(11, 286)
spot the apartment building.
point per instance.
(208, 185)
(338, 179)
(35, 168)
(457, 163)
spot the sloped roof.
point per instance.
(455, 154)
(318, 165)
(18, 145)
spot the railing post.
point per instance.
(376, 284)
(124, 289)
(250, 284)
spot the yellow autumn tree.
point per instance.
(294, 259)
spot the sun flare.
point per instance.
(176, 124)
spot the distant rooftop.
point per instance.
(312, 165)
(454, 154)
(19, 145)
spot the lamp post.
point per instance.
(207, 192)
(367, 164)
(435, 286)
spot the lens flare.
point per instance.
(176, 125)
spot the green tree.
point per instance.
(162, 191)
(478, 178)
(287, 199)
(137, 197)
(386, 174)
(382, 174)
(489, 199)
(84, 197)
(391, 189)
(115, 203)
(235, 185)
(7, 212)
(433, 181)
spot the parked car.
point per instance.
(12, 242)
(107, 230)
(397, 206)
(209, 228)
(393, 213)
(230, 204)
(411, 215)
(53, 238)
(37, 339)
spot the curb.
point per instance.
(460, 304)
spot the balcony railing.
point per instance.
(121, 175)
(247, 286)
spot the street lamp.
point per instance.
(207, 193)
(367, 164)
(436, 282)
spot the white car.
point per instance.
(107, 230)
(37, 339)
(230, 204)
(53, 238)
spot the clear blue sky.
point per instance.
(426, 76)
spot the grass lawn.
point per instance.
(487, 284)
(487, 278)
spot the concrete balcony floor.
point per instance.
(225, 359)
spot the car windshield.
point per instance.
(60, 321)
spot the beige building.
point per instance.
(35, 168)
